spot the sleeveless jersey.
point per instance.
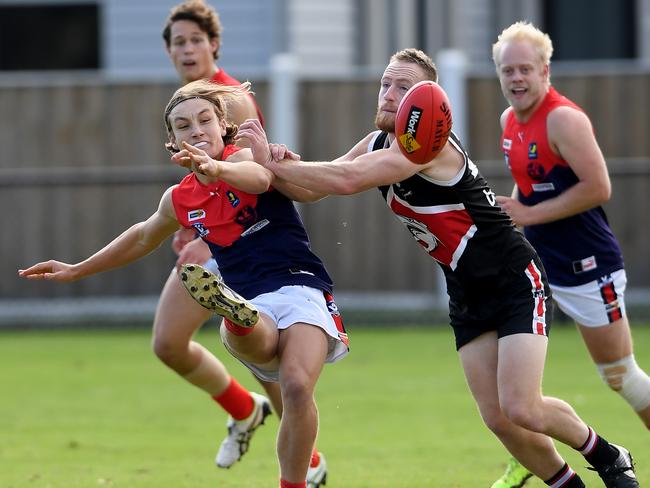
(223, 78)
(458, 223)
(259, 241)
(577, 249)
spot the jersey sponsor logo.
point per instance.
(536, 171)
(200, 229)
(532, 150)
(232, 198)
(507, 144)
(540, 187)
(196, 214)
(584, 265)
(254, 228)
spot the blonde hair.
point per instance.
(218, 95)
(415, 56)
(524, 31)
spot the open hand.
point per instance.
(252, 130)
(49, 270)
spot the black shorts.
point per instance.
(515, 301)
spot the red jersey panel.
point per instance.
(575, 250)
(259, 241)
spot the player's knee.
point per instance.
(628, 380)
(496, 421)
(297, 392)
(523, 414)
(168, 351)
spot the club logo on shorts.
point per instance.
(197, 214)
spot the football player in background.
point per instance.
(561, 181)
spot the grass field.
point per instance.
(85, 409)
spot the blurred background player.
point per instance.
(561, 180)
(192, 36)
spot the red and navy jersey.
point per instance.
(259, 241)
(223, 78)
(458, 223)
(577, 249)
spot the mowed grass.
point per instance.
(83, 409)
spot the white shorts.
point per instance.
(298, 304)
(212, 266)
(594, 304)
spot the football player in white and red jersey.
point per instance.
(498, 292)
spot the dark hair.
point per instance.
(217, 95)
(199, 12)
(415, 56)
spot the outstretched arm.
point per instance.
(265, 154)
(133, 244)
(349, 174)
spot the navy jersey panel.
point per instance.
(574, 250)
(259, 241)
(275, 254)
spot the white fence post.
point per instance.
(284, 100)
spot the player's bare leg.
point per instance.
(178, 316)
(302, 353)
(480, 363)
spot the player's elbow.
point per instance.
(259, 185)
(603, 192)
(308, 197)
